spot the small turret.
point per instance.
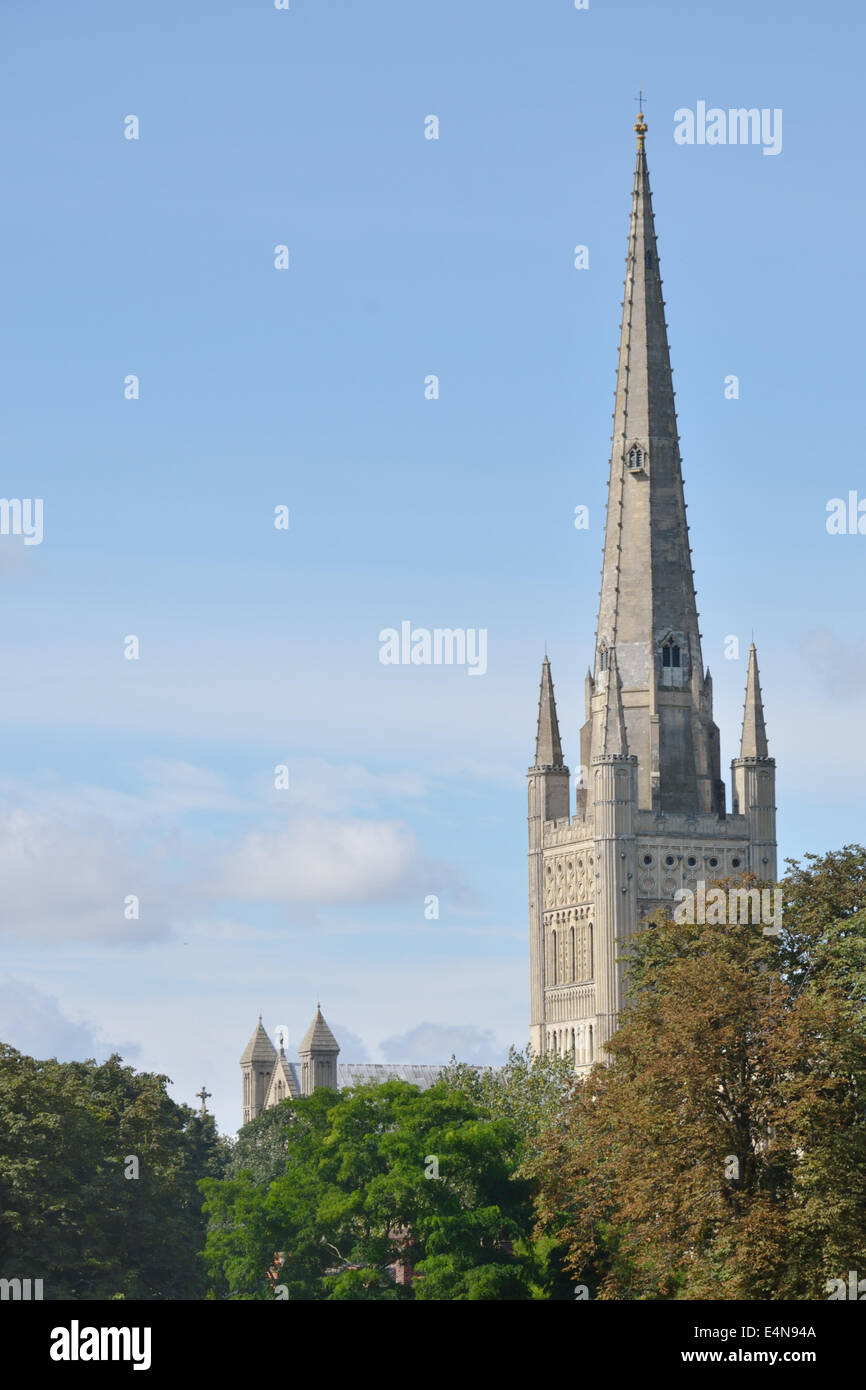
(753, 778)
(318, 1052)
(753, 743)
(614, 738)
(614, 804)
(547, 796)
(548, 748)
(257, 1065)
(549, 773)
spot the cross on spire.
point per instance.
(204, 1094)
(640, 123)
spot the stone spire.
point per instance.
(318, 1037)
(318, 1053)
(548, 749)
(753, 743)
(259, 1048)
(614, 739)
(257, 1065)
(647, 609)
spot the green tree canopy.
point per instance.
(722, 1152)
(346, 1186)
(69, 1214)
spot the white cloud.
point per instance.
(32, 1022)
(352, 1047)
(337, 787)
(326, 861)
(438, 1042)
(174, 787)
(70, 855)
(60, 880)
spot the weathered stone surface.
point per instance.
(650, 813)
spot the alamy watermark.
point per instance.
(21, 1289)
(751, 906)
(22, 516)
(443, 646)
(856, 1289)
(846, 517)
(77, 1343)
(736, 126)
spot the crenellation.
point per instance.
(729, 827)
(565, 832)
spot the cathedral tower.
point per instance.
(318, 1052)
(257, 1065)
(650, 815)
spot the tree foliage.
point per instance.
(375, 1179)
(722, 1153)
(69, 1215)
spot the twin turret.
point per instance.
(269, 1078)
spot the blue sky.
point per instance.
(305, 388)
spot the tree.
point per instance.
(721, 1153)
(98, 1180)
(371, 1179)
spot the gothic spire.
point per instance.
(647, 609)
(753, 743)
(548, 749)
(259, 1048)
(318, 1037)
(614, 738)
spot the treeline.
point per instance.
(721, 1154)
(99, 1174)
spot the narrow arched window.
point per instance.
(635, 457)
(602, 659)
(670, 653)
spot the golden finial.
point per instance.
(640, 124)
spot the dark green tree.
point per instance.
(99, 1173)
(373, 1180)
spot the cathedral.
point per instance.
(268, 1077)
(650, 812)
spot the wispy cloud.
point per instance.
(839, 666)
(322, 860)
(33, 1023)
(438, 1042)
